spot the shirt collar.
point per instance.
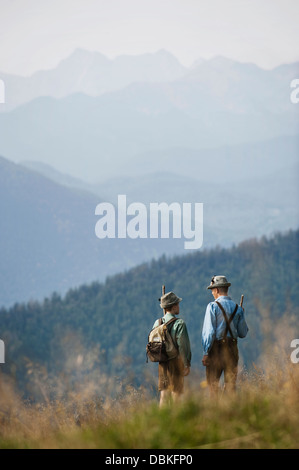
(168, 316)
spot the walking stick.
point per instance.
(163, 293)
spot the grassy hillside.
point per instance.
(263, 415)
(75, 373)
(102, 328)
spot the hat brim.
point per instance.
(213, 286)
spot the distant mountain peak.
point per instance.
(80, 54)
(222, 60)
(197, 63)
(226, 62)
(160, 54)
(164, 53)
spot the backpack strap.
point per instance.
(227, 321)
(171, 322)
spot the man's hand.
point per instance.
(205, 360)
(186, 371)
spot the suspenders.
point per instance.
(228, 321)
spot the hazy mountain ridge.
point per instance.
(233, 211)
(91, 73)
(215, 129)
(238, 163)
(216, 103)
(48, 239)
(94, 74)
(83, 136)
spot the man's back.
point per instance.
(215, 325)
(179, 335)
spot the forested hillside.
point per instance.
(105, 326)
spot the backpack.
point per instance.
(160, 346)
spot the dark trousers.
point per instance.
(223, 357)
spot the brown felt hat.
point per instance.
(218, 281)
(169, 299)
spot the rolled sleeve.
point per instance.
(183, 342)
(208, 329)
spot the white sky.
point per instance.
(37, 34)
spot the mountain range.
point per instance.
(94, 74)
(91, 73)
(217, 104)
(259, 200)
(48, 239)
(221, 133)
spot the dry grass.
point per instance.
(84, 408)
(264, 413)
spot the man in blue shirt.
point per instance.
(224, 322)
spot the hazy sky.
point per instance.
(36, 34)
